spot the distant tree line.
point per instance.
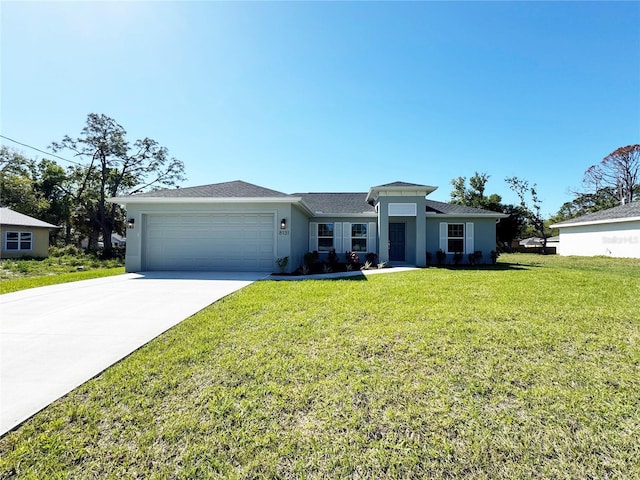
(105, 164)
(613, 181)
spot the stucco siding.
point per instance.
(135, 260)
(299, 238)
(611, 239)
(342, 240)
(484, 235)
(40, 243)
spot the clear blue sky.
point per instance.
(334, 96)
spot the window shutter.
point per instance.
(313, 236)
(372, 231)
(337, 237)
(443, 236)
(468, 243)
(346, 236)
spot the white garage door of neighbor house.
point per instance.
(224, 242)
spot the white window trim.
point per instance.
(467, 238)
(456, 238)
(342, 236)
(19, 241)
(365, 238)
(333, 237)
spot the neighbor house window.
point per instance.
(19, 241)
(325, 237)
(359, 237)
(455, 238)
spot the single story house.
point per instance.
(531, 242)
(553, 242)
(613, 232)
(240, 226)
(23, 235)
(117, 240)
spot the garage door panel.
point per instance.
(209, 242)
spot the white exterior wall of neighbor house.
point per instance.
(201, 216)
(615, 239)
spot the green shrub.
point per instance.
(71, 250)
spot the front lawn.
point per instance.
(530, 369)
(20, 274)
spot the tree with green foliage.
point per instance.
(111, 166)
(531, 209)
(39, 189)
(585, 203)
(18, 189)
(474, 196)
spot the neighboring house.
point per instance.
(241, 226)
(116, 241)
(554, 242)
(531, 242)
(614, 232)
(23, 235)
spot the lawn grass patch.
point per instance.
(20, 274)
(527, 370)
(16, 284)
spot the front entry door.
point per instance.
(396, 242)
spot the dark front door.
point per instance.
(396, 242)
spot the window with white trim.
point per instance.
(455, 238)
(325, 237)
(358, 237)
(18, 241)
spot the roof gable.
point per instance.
(399, 189)
(402, 184)
(9, 217)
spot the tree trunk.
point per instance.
(107, 252)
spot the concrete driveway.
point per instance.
(53, 339)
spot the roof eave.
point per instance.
(595, 222)
(184, 200)
(19, 225)
(345, 215)
(375, 192)
(467, 215)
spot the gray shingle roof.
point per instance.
(234, 189)
(451, 209)
(9, 217)
(401, 184)
(318, 202)
(355, 203)
(338, 203)
(621, 212)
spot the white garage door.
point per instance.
(231, 242)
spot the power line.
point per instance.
(41, 151)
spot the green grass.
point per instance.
(15, 284)
(527, 370)
(21, 274)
